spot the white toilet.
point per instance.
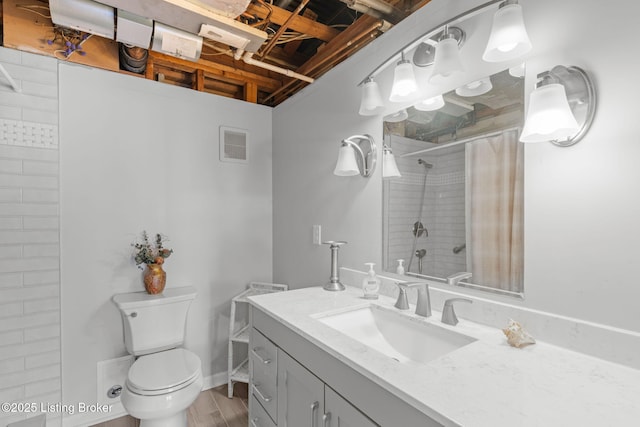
(165, 379)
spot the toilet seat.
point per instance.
(163, 372)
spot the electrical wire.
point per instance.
(31, 7)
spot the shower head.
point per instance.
(426, 165)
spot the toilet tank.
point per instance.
(154, 323)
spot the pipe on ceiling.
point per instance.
(376, 5)
(248, 58)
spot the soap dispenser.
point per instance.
(371, 283)
(400, 268)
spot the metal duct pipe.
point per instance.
(378, 5)
(377, 9)
(359, 7)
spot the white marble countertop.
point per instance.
(485, 383)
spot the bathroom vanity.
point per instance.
(310, 367)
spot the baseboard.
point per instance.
(117, 410)
(215, 380)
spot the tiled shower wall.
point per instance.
(29, 236)
(443, 208)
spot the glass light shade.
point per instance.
(447, 61)
(389, 166)
(517, 71)
(347, 164)
(549, 117)
(371, 101)
(430, 104)
(509, 38)
(404, 82)
(400, 116)
(476, 88)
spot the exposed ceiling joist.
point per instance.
(309, 38)
(299, 23)
(349, 39)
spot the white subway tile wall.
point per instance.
(443, 208)
(29, 235)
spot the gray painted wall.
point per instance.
(581, 203)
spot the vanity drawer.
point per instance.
(258, 416)
(263, 357)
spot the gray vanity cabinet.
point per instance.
(340, 413)
(294, 383)
(300, 394)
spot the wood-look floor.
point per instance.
(212, 408)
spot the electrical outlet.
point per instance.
(317, 239)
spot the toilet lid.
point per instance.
(162, 371)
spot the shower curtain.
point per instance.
(495, 211)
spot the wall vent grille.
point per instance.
(233, 145)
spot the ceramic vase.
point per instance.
(154, 279)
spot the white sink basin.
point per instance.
(402, 338)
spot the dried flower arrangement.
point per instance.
(147, 253)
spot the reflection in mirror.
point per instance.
(458, 204)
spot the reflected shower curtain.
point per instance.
(495, 211)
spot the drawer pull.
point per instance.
(314, 408)
(326, 419)
(264, 360)
(267, 399)
(254, 422)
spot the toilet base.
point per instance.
(176, 420)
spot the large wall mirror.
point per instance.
(458, 205)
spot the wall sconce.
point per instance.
(389, 165)
(430, 104)
(509, 38)
(447, 59)
(561, 108)
(371, 101)
(357, 155)
(404, 81)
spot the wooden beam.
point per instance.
(299, 23)
(251, 92)
(359, 30)
(418, 5)
(215, 68)
(199, 83)
(29, 32)
(362, 27)
(266, 49)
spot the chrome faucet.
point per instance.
(423, 305)
(449, 314)
(455, 278)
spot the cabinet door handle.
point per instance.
(314, 408)
(326, 419)
(254, 422)
(264, 360)
(267, 399)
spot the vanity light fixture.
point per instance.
(357, 155)
(561, 108)
(517, 71)
(509, 38)
(425, 52)
(447, 60)
(389, 166)
(371, 101)
(399, 116)
(404, 81)
(430, 104)
(476, 88)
